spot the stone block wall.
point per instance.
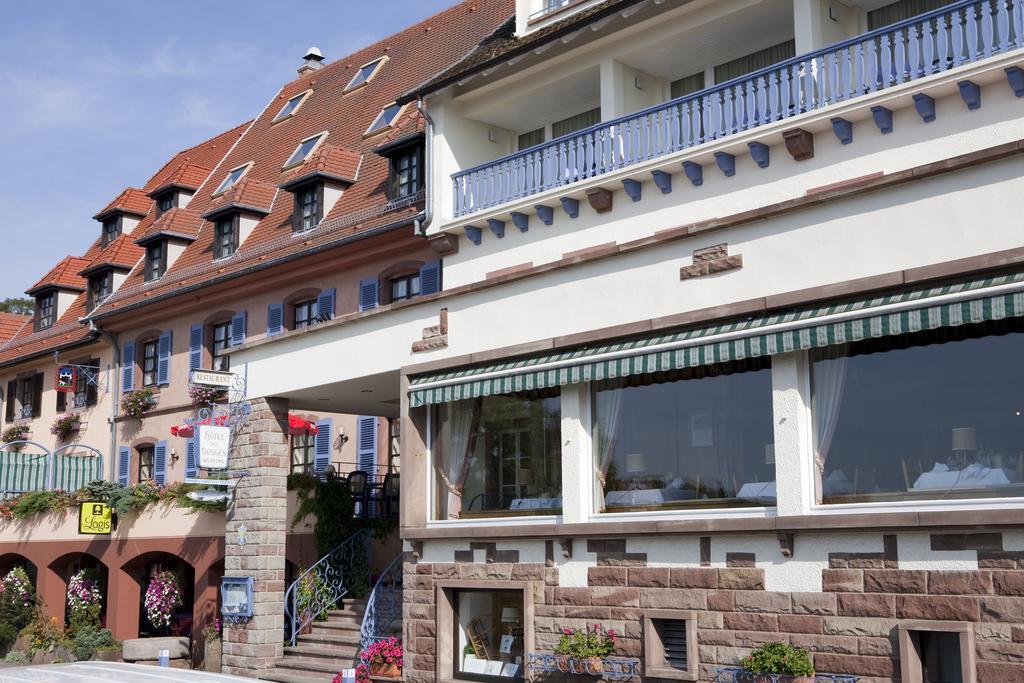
(850, 626)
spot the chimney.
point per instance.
(314, 59)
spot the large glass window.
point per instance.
(302, 453)
(497, 455)
(305, 314)
(489, 634)
(930, 415)
(700, 437)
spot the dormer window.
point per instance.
(304, 149)
(291, 106)
(365, 74)
(233, 176)
(165, 202)
(225, 236)
(101, 286)
(384, 119)
(46, 310)
(156, 260)
(111, 229)
(309, 206)
(406, 172)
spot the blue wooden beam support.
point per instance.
(971, 94)
(726, 162)
(633, 188)
(883, 118)
(546, 214)
(695, 172)
(474, 234)
(760, 153)
(1015, 77)
(843, 129)
(571, 206)
(520, 220)
(663, 181)
(925, 106)
(497, 227)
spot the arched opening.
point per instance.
(9, 561)
(153, 572)
(89, 575)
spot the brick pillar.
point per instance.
(259, 502)
(124, 596)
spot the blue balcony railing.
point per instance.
(958, 34)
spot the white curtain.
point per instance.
(453, 467)
(829, 384)
(607, 409)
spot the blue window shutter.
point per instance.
(195, 347)
(128, 367)
(322, 446)
(430, 277)
(192, 458)
(366, 443)
(238, 325)
(275, 319)
(325, 303)
(368, 294)
(163, 366)
(124, 464)
(160, 463)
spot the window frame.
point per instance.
(408, 280)
(414, 171)
(655, 664)
(111, 229)
(282, 115)
(140, 451)
(224, 186)
(26, 397)
(219, 346)
(46, 302)
(143, 346)
(295, 160)
(375, 63)
(910, 657)
(169, 196)
(231, 221)
(96, 295)
(156, 264)
(298, 211)
(307, 444)
(307, 305)
(373, 129)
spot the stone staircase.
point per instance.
(329, 647)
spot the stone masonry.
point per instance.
(261, 451)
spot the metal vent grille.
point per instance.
(673, 640)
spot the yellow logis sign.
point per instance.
(95, 518)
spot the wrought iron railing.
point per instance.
(342, 572)
(733, 674)
(608, 668)
(930, 43)
(384, 606)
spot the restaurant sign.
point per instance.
(95, 518)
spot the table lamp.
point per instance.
(965, 439)
(636, 463)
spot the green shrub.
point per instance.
(17, 657)
(89, 639)
(17, 605)
(779, 658)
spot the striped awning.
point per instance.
(926, 308)
(75, 471)
(20, 472)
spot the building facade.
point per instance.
(725, 351)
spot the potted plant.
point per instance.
(583, 650)
(15, 433)
(65, 425)
(788, 664)
(384, 658)
(137, 403)
(162, 596)
(84, 598)
(214, 646)
(203, 396)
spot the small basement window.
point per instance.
(670, 645)
(384, 119)
(366, 72)
(937, 652)
(291, 106)
(303, 150)
(233, 176)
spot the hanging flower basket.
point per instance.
(203, 396)
(137, 403)
(162, 596)
(66, 425)
(16, 433)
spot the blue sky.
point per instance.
(98, 94)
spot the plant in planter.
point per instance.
(65, 425)
(383, 658)
(583, 650)
(138, 403)
(15, 433)
(789, 664)
(162, 596)
(85, 599)
(204, 396)
(17, 605)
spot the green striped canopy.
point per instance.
(75, 471)
(981, 301)
(20, 472)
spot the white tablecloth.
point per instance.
(535, 503)
(646, 496)
(757, 489)
(972, 476)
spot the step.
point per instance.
(345, 638)
(316, 666)
(319, 652)
(333, 628)
(294, 676)
(346, 613)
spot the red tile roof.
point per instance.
(120, 253)
(205, 155)
(64, 275)
(327, 162)
(131, 200)
(414, 56)
(11, 324)
(247, 193)
(186, 176)
(174, 223)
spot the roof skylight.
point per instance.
(291, 106)
(384, 119)
(365, 73)
(305, 147)
(232, 177)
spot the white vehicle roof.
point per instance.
(84, 672)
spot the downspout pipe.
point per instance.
(420, 226)
(112, 389)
